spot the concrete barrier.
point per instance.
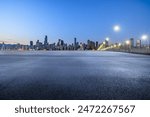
(132, 50)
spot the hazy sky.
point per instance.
(24, 20)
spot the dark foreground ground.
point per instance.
(74, 75)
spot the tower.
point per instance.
(31, 44)
(3, 46)
(46, 40)
(75, 43)
(132, 42)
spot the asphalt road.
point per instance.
(74, 75)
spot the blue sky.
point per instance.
(24, 20)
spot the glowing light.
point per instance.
(144, 37)
(107, 38)
(127, 42)
(117, 28)
(104, 42)
(119, 44)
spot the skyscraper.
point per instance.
(96, 44)
(138, 43)
(132, 42)
(46, 42)
(75, 43)
(31, 44)
(3, 46)
(39, 45)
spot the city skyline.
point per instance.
(22, 21)
(76, 44)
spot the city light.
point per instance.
(104, 42)
(107, 39)
(127, 42)
(119, 44)
(115, 45)
(116, 28)
(144, 37)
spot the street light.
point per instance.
(104, 42)
(119, 44)
(107, 39)
(117, 28)
(145, 37)
(115, 45)
(127, 42)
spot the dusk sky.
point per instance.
(25, 20)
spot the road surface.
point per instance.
(74, 75)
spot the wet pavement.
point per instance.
(74, 75)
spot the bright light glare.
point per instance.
(107, 39)
(117, 28)
(144, 37)
(115, 45)
(127, 42)
(104, 42)
(119, 44)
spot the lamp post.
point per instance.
(107, 41)
(127, 43)
(117, 28)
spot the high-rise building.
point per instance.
(39, 45)
(138, 43)
(106, 43)
(96, 44)
(90, 45)
(31, 43)
(3, 46)
(132, 42)
(60, 42)
(46, 40)
(75, 43)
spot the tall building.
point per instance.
(90, 45)
(31, 43)
(46, 40)
(138, 43)
(106, 43)
(3, 46)
(60, 42)
(46, 43)
(96, 44)
(75, 43)
(132, 42)
(39, 45)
